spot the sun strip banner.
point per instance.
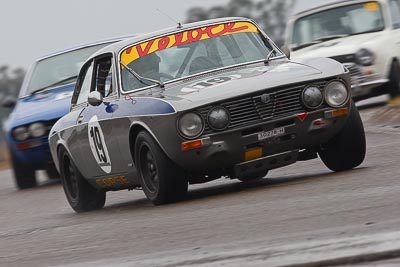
(181, 38)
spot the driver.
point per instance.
(148, 66)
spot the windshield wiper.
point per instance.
(331, 37)
(268, 58)
(305, 45)
(140, 78)
(369, 31)
(319, 40)
(54, 84)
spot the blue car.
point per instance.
(45, 97)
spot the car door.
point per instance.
(98, 147)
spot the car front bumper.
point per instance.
(255, 148)
(364, 84)
(34, 152)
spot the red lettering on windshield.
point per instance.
(189, 36)
(128, 51)
(163, 43)
(229, 28)
(146, 49)
(178, 39)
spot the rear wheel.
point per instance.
(162, 181)
(24, 175)
(253, 177)
(80, 194)
(347, 149)
(394, 79)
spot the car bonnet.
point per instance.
(223, 85)
(341, 46)
(43, 106)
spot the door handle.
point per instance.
(80, 119)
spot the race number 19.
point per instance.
(98, 145)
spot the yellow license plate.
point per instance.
(254, 153)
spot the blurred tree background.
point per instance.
(271, 15)
(10, 83)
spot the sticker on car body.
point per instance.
(112, 181)
(98, 145)
(241, 74)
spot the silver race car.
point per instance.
(195, 103)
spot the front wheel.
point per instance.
(80, 194)
(347, 149)
(24, 175)
(394, 79)
(162, 180)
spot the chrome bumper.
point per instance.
(363, 84)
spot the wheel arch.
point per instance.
(392, 61)
(135, 129)
(60, 145)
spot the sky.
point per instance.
(30, 29)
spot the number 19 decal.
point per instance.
(98, 145)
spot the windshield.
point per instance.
(191, 52)
(59, 69)
(345, 20)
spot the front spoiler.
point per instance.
(266, 163)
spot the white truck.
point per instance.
(363, 35)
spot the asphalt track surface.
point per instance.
(299, 214)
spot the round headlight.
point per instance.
(20, 133)
(190, 125)
(218, 118)
(312, 97)
(37, 129)
(365, 57)
(336, 94)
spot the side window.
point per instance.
(395, 13)
(85, 85)
(104, 83)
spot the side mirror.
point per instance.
(9, 102)
(286, 51)
(95, 98)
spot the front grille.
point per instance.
(355, 73)
(251, 109)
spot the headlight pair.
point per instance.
(335, 95)
(191, 125)
(34, 130)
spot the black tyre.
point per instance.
(80, 194)
(162, 181)
(347, 149)
(52, 172)
(394, 79)
(253, 177)
(24, 175)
